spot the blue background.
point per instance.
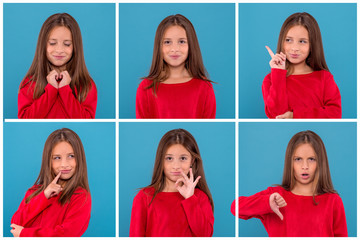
(23, 147)
(260, 24)
(216, 141)
(22, 24)
(262, 149)
(215, 28)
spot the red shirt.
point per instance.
(43, 217)
(55, 103)
(302, 218)
(192, 99)
(171, 215)
(313, 95)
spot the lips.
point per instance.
(59, 57)
(305, 175)
(294, 55)
(174, 56)
(65, 171)
(176, 173)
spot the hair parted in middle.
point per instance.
(316, 58)
(47, 175)
(183, 137)
(322, 179)
(159, 70)
(41, 66)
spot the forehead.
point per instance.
(298, 31)
(175, 31)
(177, 149)
(61, 147)
(60, 32)
(304, 149)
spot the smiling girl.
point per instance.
(58, 84)
(177, 85)
(178, 202)
(300, 84)
(59, 203)
(306, 203)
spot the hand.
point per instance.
(277, 201)
(288, 114)
(16, 229)
(52, 78)
(277, 60)
(188, 187)
(66, 79)
(53, 188)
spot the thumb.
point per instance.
(277, 212)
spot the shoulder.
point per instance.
(26, 82)
(324, 74)
(200, 194)
(145, 192)
(145, 83)
(202, 83)
(334, 197)
(81, 193)
(277, 189)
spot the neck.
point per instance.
(178, 75)
(169, 186)
(301, 68)
(59, 69)
(303, 189)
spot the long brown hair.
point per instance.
(47, 175)
(316, 58)
(159, 70)
(183, 137)
(322, 180)
(41, 66)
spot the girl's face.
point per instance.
(305, 163)
(175, 46)
(59, 48)
(297, 45)
(177, 160)
(63, 160)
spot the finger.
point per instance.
(13, 225)
(57, 177)
(277, 212)
(180, 180)
(184, 175)
(282, 57)
(270, 52)
(191, 175)
(197, 180)
(280, 116)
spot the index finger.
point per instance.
(270, 52)
(191, 175)
(57, 177)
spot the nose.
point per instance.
(63, 163)
(176, 164)
(305, 165)
(175, 47)
(59, 48)
(294, 47)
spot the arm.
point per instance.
(339, 221)
(331, 107)
(35, 108)
(138, 216)
(199, 214)
(74, 108)
(275, 93)
(142, 102)
(27, 212)
(75, 221)
(210, 102)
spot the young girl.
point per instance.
(59, 203)
(178, 202)
(177, 85)
(58, 84)
(300, 84)
(305, 204)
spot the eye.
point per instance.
(67, 44)
(288, 39)
(183, 158)
(71, 155)
(297, 159)
(168, 158)
(52, 43)
(167, 42)
(56, 157)
(312, 159)
(182, 42)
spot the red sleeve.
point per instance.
(274, 93)
(35, 108)
(256, 205)
(74, 224)
(138, 216)
(27, 212)
(199, 214)
(210, 103)
(74, 108)
(143, 102)
(331, 107)
(340, 228)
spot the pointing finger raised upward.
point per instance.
(270, 52)
(57, 177)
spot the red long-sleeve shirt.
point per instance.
(55, 103)
(313, 95)
(192, 99)
(302, 218)
(43, 217)
(171, 215)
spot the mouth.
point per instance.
(174, 56)
(305, 176)
(59, 57)
(294, 55)
(176, 173)
(65, 171)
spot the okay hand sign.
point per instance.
(188, 187)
